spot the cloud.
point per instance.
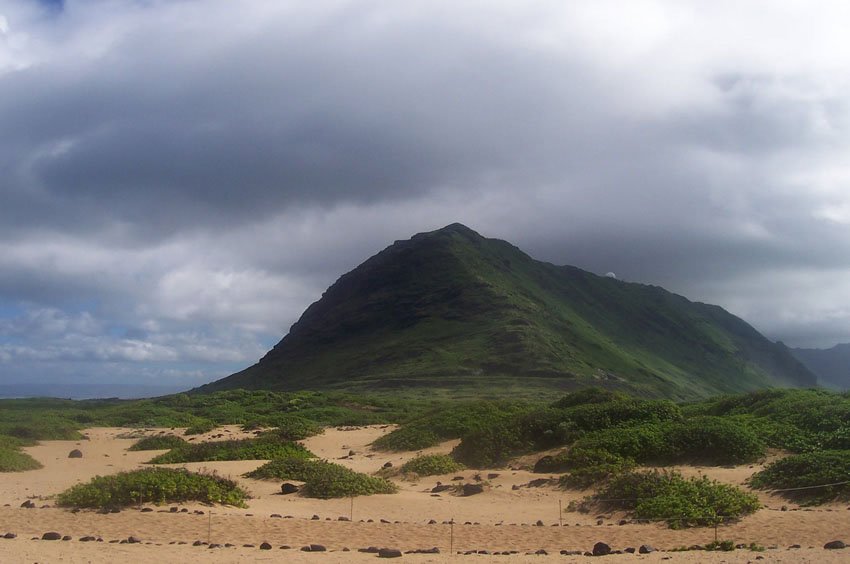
(182, 178)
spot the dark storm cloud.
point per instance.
(199, 172)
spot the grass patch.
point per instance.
(153, 485)
(200, 427)
(432, 465)
(667, 496)
(160, 442)
(805, 470)
(263, 448)
(322, 479)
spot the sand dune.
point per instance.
(502, 518)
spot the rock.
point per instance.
(147, 509)
(351, 453)
(601, 549)
(541, 552)
(539, 523)
(287, 488)
(10, 536)
(783, 508)
(198, 543)
(795, 546)
(275, 516)
(76, 453)
(629, 550)
(833, 545)
(265, 546)
(88, 539)
(457, 478)
(388, 464)
(343, 519)
(599, 521)
(370, 550)
(441, 488)
(492, 475)
(317, 548)
(173, 509)
(622, 522)
(133, 540)
(539, 482)
(646, 549)
(66, 538)
(472, 489)
(28, 504)
(315, 518)
(51, 536)
(389, 553)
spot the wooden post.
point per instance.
(209, 529)
(452, 536)
(560, 515)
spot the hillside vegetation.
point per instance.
(452, 310)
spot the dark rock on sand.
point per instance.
(51, 536)
(286, 488)
(389, 553)
(836, 544)
(646, 549)
(472, 489)
(601, 549)
(265, 546)
(76, 453)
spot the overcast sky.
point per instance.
(180, 179)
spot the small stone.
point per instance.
(76, 453)
(834, 545)
(646, 549)
(51, 536)
(28, 504)
(265, 546)
(389, 553)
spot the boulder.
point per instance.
(265, 546)
(28, 504)
(833, 545)
(287, 488)
(646, 549)
(601, 549)
(389, 553)
(472, 489)
(76, 453)
(51, 536)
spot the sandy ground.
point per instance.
(503, 518)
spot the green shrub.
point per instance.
(262, 448)
(655, 495)
(13, 460)
(200, 427)
(432, 465)
(159, 442)
(492, 446)
(322, 479)
(449, 423)
(805, 470)
(286, 426)
(586, 467)
(152, 485)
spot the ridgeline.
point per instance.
(450, 309)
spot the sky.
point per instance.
(180, 179)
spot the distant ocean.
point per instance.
(85, 391)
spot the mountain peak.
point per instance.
(449, 308)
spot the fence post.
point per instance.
(452, 536)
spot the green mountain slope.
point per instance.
(450, 308)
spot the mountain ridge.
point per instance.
(449, 308)
(831, 366)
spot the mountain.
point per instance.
(450, 308)
(832, 366)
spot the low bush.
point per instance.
(806, 470)
(200, 427)
(159, 442)
(152, 485)
(291, 427)
(322, 479)
(586, 467)
(263, 448)
(453, 423)
(667, 496)
(13, 460)
(432, 465)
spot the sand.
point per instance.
(502, 518)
